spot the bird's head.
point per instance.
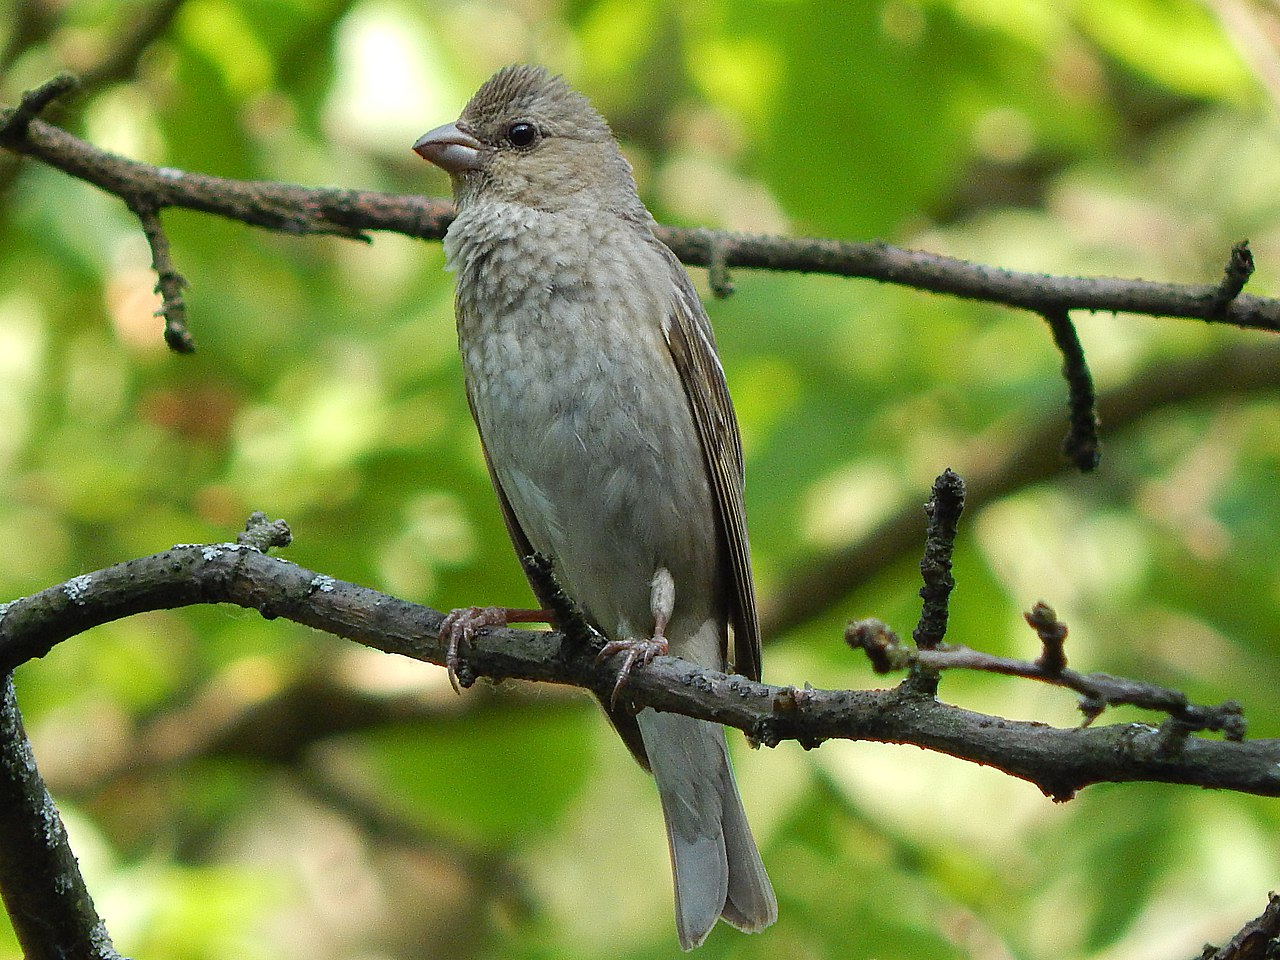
(527, 137)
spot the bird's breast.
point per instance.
(581, 408)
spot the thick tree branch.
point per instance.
(44, 893)
(350, 213)
(1058, 761)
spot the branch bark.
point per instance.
(44, 893)
(351, 213)
(1059, 761)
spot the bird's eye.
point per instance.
(522, 134)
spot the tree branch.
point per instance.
(1058, 761)
(350, 213)
(44, 893)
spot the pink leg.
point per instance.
(461, 625)
(640, 653)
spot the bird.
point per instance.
(592, 375)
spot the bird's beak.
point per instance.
(450, 149)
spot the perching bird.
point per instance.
(592, 375)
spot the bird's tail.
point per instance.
(717, 868)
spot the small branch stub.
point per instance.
(1053, 635)
(1237, 273)
(13, 127)
(263, 534)
(880, 643)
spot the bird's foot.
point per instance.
(638, 653)
(461, 625)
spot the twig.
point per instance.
(44, 893)
(1058, 761)
(568, 618)
(15, 123)
(943, 510)
(718, 265)
(936, 273)
(169, 283)
(1098, 690)
(1080, 445)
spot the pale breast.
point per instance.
(582, 411)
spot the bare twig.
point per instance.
(718, 265)
(169, 283)
(940, 274)
(1080, 445)
(945, 505)
(15, 123)
(43, 890)
(1098, 690)
(568, 618)
(1059, 761)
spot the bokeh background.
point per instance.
(237, 787)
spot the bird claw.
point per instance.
(639, 653)
(459, 627)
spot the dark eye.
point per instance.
(522, 134)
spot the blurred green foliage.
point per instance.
(1096, 136)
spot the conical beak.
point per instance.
(450, 149)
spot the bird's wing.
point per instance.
(692, 344)
(623, 722)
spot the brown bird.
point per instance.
(592, 375)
